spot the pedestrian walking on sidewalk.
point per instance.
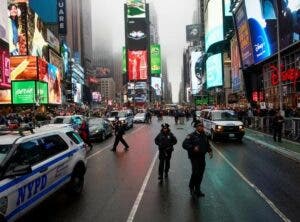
(197, 146)
(165, 141)
(277, 127)
(119, 128)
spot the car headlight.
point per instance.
(123, 121)
(241, 128)
(219, 128)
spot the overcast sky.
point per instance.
(172, 17)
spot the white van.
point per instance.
(222, 124)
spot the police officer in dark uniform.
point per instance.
(119, 132)
(277, 125)
(197, 146)
(165, 141)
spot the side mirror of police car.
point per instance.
(19, 171)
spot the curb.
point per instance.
(287, 153)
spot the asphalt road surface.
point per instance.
(243, 182)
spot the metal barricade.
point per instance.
(288, 127)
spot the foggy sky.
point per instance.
(172, 17)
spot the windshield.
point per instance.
(96, 121)
(113, 114)
(60, 120)
(140, 114)
(4, 150)
(122, 114)
(224, 116)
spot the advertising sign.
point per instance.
(77, 91)
(56, 60)
(3, 21)
(17, 26)
(23, 92)
(193, 32)
(262, 23)
(42, 92)
(53, 41)
(124, 69)
(195, 87)
(244, 36)
(54, 84)
(214, 71)
(5, 96)
(235, 66)
(289, 22)
(136, 8)
(96, 96)
(214, 23)
(62, 17)
(155, 60)
(137, 65)
(26, 68)
(156, 85)
(137, 34)
(4, 67)
(65, 54)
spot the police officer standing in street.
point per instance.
(277, 127)
(197, 146)
(119, 132)
(165, 141)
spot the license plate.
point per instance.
(231, 135)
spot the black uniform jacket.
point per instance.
(165, 141)
(196, 139)
(119, 128)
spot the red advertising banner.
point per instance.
(4, 68)
(137, 65)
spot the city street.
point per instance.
(243, 182)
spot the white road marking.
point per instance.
(142, 190)
(260, 193)
(110, 145)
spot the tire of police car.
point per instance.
(75, 186)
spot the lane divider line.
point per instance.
(110, 145)
(260, 193)
(142, 190)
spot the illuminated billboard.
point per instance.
(136, 8)
(214, 23)
(28, 68)
(23, 92)
(3, 21)
(76, 91)
(96, 96)
(235, 66)
(5, 96)
(195, 87)
(262, 22)
(243, 32)
(214, 71)
(54, 85)
(137, 65)
(155, 56)
(156, 85)
(137, 34)
(4, 67)
(56, 60)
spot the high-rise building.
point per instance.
(107, 88)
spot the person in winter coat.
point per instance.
(84, 133)
(197, 145)
(165, 141)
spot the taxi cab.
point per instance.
(35, 165)
(222, 124)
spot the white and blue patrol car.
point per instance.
(35, 165)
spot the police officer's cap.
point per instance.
(165, 126)
(198, 123)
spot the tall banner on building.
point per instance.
(62, 17)
(235, 66)
(124, 68)
(155, 56)
(195, 87)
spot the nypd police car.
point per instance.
(35, 165)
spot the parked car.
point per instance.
(34, 166)
(74, 120)
(139, 118)
(99, 128)
(125, 116)
(222, 124)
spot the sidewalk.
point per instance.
(287, 148)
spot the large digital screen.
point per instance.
(76, 91)
(214, 71)
(195, 87)
(137, 65)
(155, 56)
(5, 96)
(54, 85)
(42, 92)
(96, 96)
(289, 22)
(65, 54)
(23, 92)
(235, 66)
(137, 34)
(56, 60)
(4, 67)
(136, 8)
(244, 36)
(28, 68)
(262, 21)
(17, 26)
(156, 85)
(3, 21)
(214, 23)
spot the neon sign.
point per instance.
(292, 75)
